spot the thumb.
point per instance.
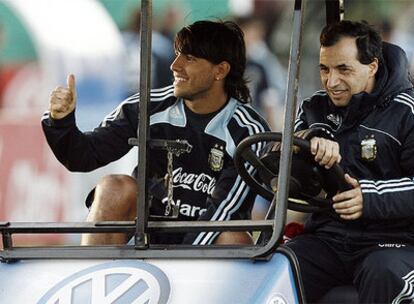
(352, 181)
(71, 85)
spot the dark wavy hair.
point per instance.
(368, 40)
(218, 41)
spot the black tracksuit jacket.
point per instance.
(383, 123)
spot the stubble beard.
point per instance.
(191, 96)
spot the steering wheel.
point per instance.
(307, 178)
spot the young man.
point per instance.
(206, 105)
(368, 105)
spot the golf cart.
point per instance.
(147, 273)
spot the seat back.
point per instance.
(340, 294)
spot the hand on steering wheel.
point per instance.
(307, 177)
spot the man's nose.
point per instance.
(175, 65)
(333, 79)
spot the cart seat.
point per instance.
(340, 294)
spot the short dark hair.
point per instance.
(218, 41)
(368, 40)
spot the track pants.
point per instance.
(382, 273)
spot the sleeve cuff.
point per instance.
(66, 121)
(319, 132)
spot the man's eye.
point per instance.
(190, 58)
(324, 70)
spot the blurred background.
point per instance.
(41, 41)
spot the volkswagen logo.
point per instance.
(119, 282)
(277, 298)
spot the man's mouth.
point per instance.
(179, 79)
(337, 93)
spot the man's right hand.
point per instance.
(63, 99)
(326, 151)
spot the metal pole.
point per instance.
(281, 200)
(142, 133)
(334, 11)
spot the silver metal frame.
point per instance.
(141, 248)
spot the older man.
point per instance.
(367, 238)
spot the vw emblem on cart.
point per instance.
(115, 282)
(277, 298)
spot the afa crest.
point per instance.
(216, 158)
(369, 148)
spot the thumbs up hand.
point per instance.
(63, 99)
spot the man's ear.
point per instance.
(222, 69)
(373, 67)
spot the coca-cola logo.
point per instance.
(196, 182)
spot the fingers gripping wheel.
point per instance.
(307, 177)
